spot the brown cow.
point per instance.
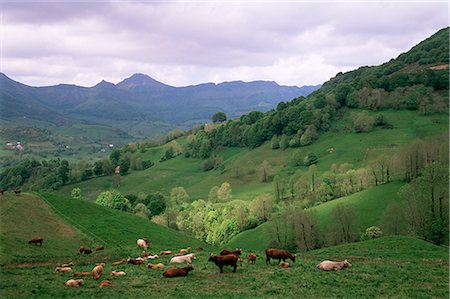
(251, 258)
(237, 252)
(284, 265)
(155, 266)
(98, 248)
(136, 261)
(165, 252)
(77, 274)
(105, 283)
(224, 260)
(36, 240)
(63, 269)
(278, 254)
(74, 282)
(119, 262)
(97, 271)
(84, 250)
(176, 272)
(118, 273)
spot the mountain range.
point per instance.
(139, 105)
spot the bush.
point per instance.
(372, 232)
(310, 159)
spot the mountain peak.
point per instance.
(138, 81)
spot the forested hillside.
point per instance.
(304, 169)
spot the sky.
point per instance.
(184, 43)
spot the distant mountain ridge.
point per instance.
(140, 104)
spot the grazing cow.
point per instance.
(165, 252)
(251, 258)
(118, 273)
(63, 269)
(237, 252)
(284, 265)
(74, 282)
(85, 250)
(142, 243)
(278, 254)
(184, 251)
(183, 259)
(97, 271)
(105, 283)
(98, 248)
(67, 265)
(176, 272)
(77, 274)
(36, 240)
(155, 266)
(2, 191)
(330, 265)
(119, 262)
(136, 261)
(17, 191)
(224, 260)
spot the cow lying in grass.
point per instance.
(177, 272)
(336, 266)
(63, 269)
(183, 259)
(74, 282)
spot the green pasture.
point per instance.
(242, 164)
(367, 207)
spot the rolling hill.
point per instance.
(386, 267)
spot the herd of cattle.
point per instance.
(226, 258)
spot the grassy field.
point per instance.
(241, 164)
(368, 206)
(395, 267)
(65, 224)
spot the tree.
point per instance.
(310, 159)
(362, 121)
(212, 195)
(219, 117)
(309, 136)
(262, 207)
(372, 232)
(156, 203)
(264, 171)
(275, 142)
(305, 230)
(224, 192)
(178, 197)
(113, 199)
(64, 171)
(115, 157)
(124, 166)
(426, 200)
(141, 210)
(342, 225)
(76, 193)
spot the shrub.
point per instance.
(372, 232)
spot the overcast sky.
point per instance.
(191, 42)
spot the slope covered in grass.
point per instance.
(389, 267)
(65, 224)
(116, 229)
(26, 216)
(367, 207)
(241, 164)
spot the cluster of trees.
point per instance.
(54, 173)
